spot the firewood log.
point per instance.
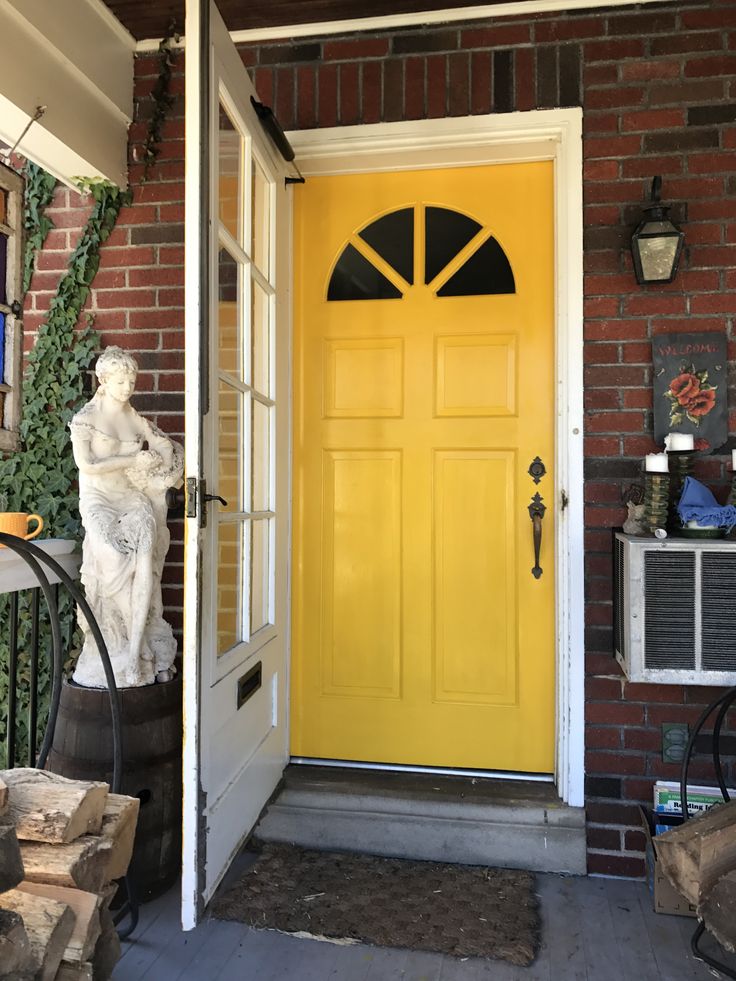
(81, 864)
(698, 852)
(47, 807)
(11, 863)
(75, 972)
(119, 824)
(16, 959)
(717, 909)
(49, 926)
(86, 908)
(107, 951)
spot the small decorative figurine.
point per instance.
(125, 467)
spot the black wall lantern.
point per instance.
(656, 244)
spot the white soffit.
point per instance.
(424, 18)
(75, 58)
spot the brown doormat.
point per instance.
(462, 910)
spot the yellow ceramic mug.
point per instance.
(16, 523)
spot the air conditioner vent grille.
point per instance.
(719, 611)
(669, 597)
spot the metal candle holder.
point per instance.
(681, 464)
(656, 500)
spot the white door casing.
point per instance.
(237, 424)
(554, 134)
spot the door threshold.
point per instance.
(435, 770)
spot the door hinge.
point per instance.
(191, 497)
(564, 501)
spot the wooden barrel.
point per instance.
(152, 736)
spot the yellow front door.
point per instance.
(424, 391)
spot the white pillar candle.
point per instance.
(733, 459)
(657, 463)
(680, 441)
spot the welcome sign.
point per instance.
(690, 388)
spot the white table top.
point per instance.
(16, 574)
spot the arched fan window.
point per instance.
(486, 270)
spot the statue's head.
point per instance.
(116, 371)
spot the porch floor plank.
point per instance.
(593, 930)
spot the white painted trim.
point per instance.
(550, 134)
(87, 92)
(422, 18)
(195, 186)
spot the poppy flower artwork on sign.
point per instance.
(690, 388)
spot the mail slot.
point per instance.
(249, 684)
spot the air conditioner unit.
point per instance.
(675, 610)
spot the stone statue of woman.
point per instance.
(125, 467)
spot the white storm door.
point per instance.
(237, 418)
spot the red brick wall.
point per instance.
(658, 88)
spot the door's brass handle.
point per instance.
(536, 513)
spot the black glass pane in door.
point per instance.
(446, 232)
(486, 271)
(354, 278)
(392, 237)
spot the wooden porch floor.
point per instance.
(594, 930)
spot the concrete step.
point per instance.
(472, 821)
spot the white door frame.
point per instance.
(549, 134)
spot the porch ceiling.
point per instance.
(146, 19)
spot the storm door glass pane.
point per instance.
(230, 552)
(261, 469)
(261, 211)
(230, 455)
(229, 313)
(260, 576)
(3, 268)
(230, 185)
(261, 340)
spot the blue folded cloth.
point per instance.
(698, 504)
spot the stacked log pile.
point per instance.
(63, 843)
(699, 859)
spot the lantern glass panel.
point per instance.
(657, 256)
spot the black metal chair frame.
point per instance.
(35, 557)
(723, 703)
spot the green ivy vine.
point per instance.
(38, 194)
(162, 100)
(41, 476)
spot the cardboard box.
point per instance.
(665, 898)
